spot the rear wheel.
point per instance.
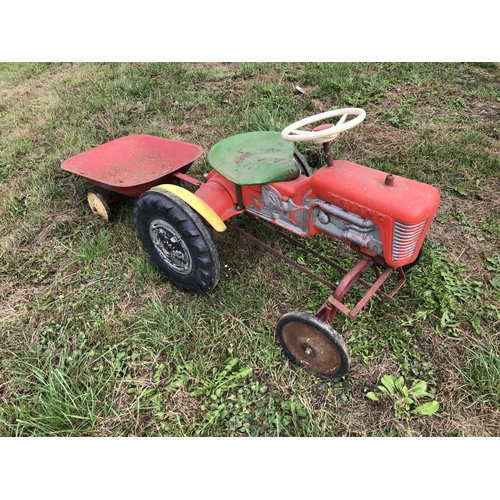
(314, 344)
(177, 241)
(302, 162)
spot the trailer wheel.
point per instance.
(98, 205)
(177, 242)
(314, 344)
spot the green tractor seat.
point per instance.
(254, 158)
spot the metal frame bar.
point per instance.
(333, 303)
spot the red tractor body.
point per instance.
(382, 215)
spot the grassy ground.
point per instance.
(95, 343)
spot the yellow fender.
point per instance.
(197, 204)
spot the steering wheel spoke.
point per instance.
(342, 120)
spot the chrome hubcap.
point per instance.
(170, 246)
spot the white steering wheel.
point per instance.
(326, 133)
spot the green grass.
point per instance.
(481, 373)
(94, 342)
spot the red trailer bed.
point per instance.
(133, 164)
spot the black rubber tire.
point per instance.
(313, 344)
(415, 262)
(177, 241)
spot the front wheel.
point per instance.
(314, 344)
(177, 241)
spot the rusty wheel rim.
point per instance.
(311, 348)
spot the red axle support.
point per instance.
(329, 309)
(333, 303)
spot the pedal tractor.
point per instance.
(383, 217)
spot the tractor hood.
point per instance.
(372, 194)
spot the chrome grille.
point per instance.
(406, 237)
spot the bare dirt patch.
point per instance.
(184, 405)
